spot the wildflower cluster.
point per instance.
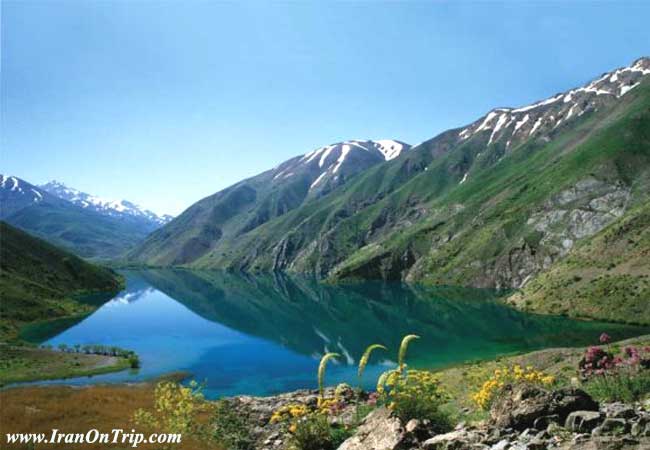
(288, 412)
(611, 375)
(414, 394)
(509, 375)
(175, 409)
(598, 362)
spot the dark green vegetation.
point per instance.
(39, 281)
(19, 364)
(84, 232)
(489, 205)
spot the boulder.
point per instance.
(618, 410)
(582, 421)
(520, 406)
(380, 430)
(454, 440)
(612, 426)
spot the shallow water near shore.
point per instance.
(263, 334)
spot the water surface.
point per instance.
(262, 334)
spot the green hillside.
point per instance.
(85, 233)
(38, 281)
(606, 277)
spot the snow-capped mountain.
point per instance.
(331, 165)
(515, 125)
(115, 208)
(16, 194)
(255, 201)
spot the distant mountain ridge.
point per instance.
(87, 231)
(117, 208)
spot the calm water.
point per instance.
(262, 334)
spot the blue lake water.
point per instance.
(262, 334)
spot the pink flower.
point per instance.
(605, 339)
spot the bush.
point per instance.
(315, 433)
(621, 387)
(175, 410)
(610, 377)
(416, 394)
(230, 429)
(134, 361)
(509, 376)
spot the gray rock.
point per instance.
(501, 445)
(618, 410)
(611, 426)
(541, 423)
(520, 406)
(454, 440)
(582, 421)
(379, 431)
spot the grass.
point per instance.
(39, 281)
(77, 410)
(462, 381)
(22, 364)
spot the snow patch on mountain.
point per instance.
(547, 115)
(116, 208)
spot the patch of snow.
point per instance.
(538, 104)
(521, 122)
(502, 120)
(627, 88)
(536, 126)
(345, 149)
(317, 180)
(324, 156)
(485, 125)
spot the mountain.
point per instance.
(16, 194)
(490, 204)
(247, 205)
(115, 208)
(83, 231)
(38, 280)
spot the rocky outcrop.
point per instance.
(525, 418)
(519, 407)
(575, 213)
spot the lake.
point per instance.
(263, 334)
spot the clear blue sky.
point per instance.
(163, 103)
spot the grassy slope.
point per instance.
(86, 233)
(19, 364)
(462, 381)
(606, 277)
(38, 280)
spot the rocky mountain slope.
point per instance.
(122, 209)
(37, 280)
(83, 231)
(491, 204)
(245, 206)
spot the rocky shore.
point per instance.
(525, 417)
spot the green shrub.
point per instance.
(622, 387)
(315, 433)
(417, 395)
(230, 429)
